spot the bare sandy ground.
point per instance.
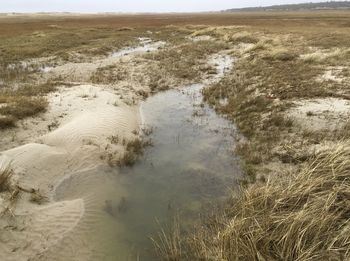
(71, 138)
(319, 114)
(80, 143)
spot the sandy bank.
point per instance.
(81, 120)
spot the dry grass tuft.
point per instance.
(134, 149)
(25, 101)
(7, 122)
(22, 107)
(38, 198)
(281, 55)
(5, 178)
(241, 37)
(168, 243)
(304, 217)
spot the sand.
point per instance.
(64, 146)
(319, 114)
(79, 143)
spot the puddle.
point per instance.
(146, 45)
(223, 64)
(189, 167)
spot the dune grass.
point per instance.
(5, 178)
(25, 101)
(168, 242)
(20, 107)
(300, 217)
(184, 62)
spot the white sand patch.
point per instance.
(146, 46)
(82, 72)
(321, 114)
(39, 229)
(85, 124)
(332, 74)
(201, 38)
(85, 117)
(64, 105)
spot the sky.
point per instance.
(95, 6)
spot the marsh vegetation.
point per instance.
(288, 95)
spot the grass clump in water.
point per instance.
(134, 149)
(168, 243)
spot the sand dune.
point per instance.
(62, 228)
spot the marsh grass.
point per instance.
(302, 217)
(109, 74)
(183, 62)
(26, 101)
(63, 41)
(266, 80)
(241, 37)
(286, 215)
(21, 107)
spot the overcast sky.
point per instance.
(93, 6)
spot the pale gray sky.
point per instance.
(93, 6)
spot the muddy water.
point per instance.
(189, 168)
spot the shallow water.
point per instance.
(189, 169)
(190, 166)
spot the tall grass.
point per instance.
(302, 217)
(168, 243)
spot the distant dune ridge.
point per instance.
(333, 5)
